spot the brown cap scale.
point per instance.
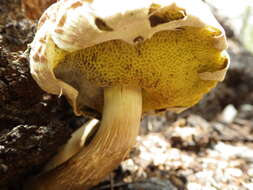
(35, 8)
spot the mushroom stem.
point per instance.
(73, 146)
(112, 143)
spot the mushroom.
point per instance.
(120, 60)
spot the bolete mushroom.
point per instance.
(122, 59)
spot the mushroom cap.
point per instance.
(173, 49)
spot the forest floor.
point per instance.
(208, 147)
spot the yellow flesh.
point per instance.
(166, 66)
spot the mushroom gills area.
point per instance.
(166, 67)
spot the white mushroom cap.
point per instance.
(72, 25)
(99, 21)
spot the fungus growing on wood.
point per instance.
(122, 59)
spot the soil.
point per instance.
(209, 146)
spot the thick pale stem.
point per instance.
(73, 146)
(112, 143)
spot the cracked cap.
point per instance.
(173, 49)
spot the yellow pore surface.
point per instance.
(166, 66)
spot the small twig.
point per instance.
(120, 184)
(111, 181)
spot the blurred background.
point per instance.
(239, 16)
(208, 147)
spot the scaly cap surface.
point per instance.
(173, 49)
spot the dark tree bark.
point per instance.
(33, 124)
